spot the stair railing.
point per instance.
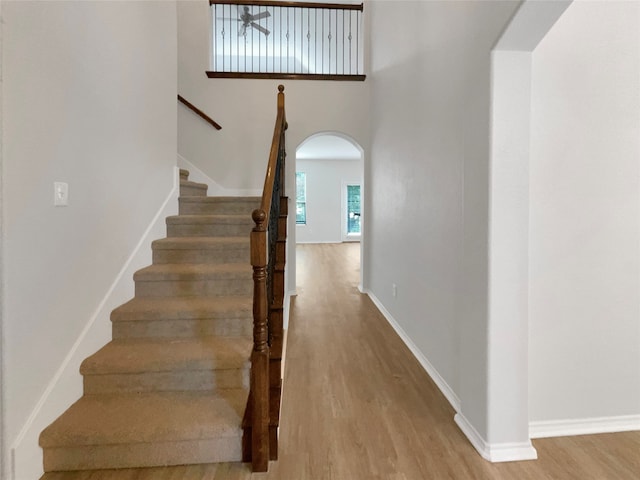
(296, 40)
(268, 246)
(199, 112)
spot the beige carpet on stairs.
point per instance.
(172, 385)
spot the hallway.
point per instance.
(358, 406)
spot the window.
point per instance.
(353, 209)
(301, 198)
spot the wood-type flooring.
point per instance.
(358, 406)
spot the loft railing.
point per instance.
(199, 112)
(283, 39)
(268, 247)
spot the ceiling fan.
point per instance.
(249, 21)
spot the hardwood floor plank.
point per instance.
(358, 406)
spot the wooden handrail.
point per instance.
(199, 112)
(284, 3)
(287, 76)
(268, 241)
(270, 176)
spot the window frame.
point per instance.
(344, 213)
(304, 196)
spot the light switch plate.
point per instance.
(61, 194)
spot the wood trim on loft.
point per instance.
(199, 112)
(287, 76)
(282, 3)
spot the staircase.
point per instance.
(172, 386)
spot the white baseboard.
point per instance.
(286, 310)
(66, 385)
(444, 387)
(197, 175)
(502, 452)
(497, 452)
(315, 242)
(584, 426)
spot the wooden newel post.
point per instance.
(281, 97)
(260, 354)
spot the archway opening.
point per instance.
(330, 190)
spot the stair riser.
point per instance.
(215, 208)
(191, 380)
(233, 327)
(184, 288)
(224, 449)
(192, 191)
(200, 230)
(224, 254)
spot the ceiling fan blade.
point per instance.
(261, 15)
(262, 29)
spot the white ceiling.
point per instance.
(328, 147)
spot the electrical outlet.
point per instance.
(394, 290)
(61, 194)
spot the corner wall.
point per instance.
(427, 222)
(88, 98)
(584, 279)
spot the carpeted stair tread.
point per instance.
(184, 174)
(189, 183)
(201, 250)
(164, 355)
(147, 418)
(210, 219)
(210, 225)
(189, 243)
(184, 317)
(183, 308)
(190, 271)
(217, 205)
(222, 199)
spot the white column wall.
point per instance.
(508, 415)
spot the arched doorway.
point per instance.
(330, 190)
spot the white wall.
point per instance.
(585, 220)
(427, 223)
(325, 184)
(2, 342)
(88, 98)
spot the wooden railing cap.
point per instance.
(259, 216)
